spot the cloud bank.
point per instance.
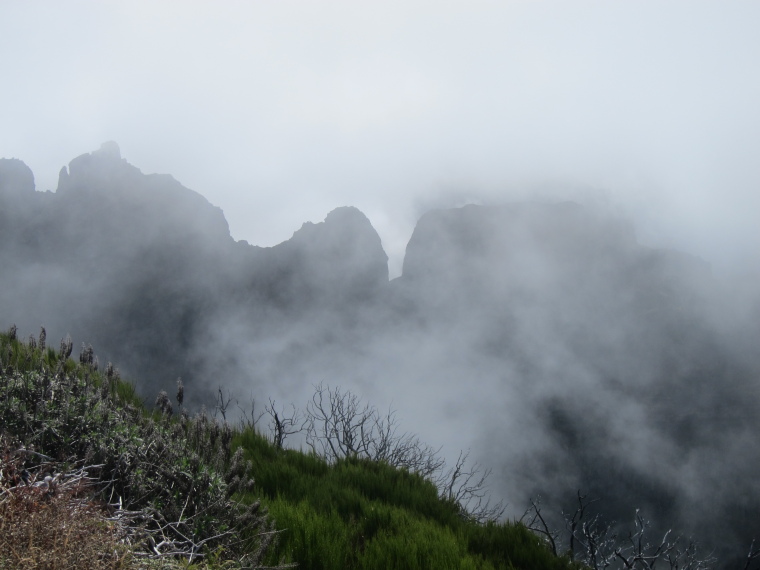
(280, 112)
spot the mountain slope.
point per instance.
(543, 337)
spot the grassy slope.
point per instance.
(362, 514)
(351, 514)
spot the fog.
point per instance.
(590, 324)
(540, 335)
(278, 112)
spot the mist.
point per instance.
(539, 335)
(553, 262)
(280, 112)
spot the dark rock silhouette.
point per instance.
(16, 178)
(336, 262)
(142, 264)
(533, 246)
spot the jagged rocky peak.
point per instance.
(92, 171)
(540, 252)
(518, 238)
(345, 230)
(109, 149)
(339, 258)
(16, 178)
(104, 182)
(544, 253)
(347, 239)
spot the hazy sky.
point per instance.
(280, 111)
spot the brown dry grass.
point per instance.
(55, 531)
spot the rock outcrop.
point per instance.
(16, 179)
(539, 254)
(337, 262)
(143, 264)
(110, 192)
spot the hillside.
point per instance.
(83, 457)
(542, 337)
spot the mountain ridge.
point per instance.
(542, 321)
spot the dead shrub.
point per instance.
(55, 528)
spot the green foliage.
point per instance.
(175, 476)
(193, 476)
(358, 513)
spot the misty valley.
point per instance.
(541, 342)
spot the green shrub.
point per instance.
(356, 513)
(190, 480)
(172, 478)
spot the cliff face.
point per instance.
(16, 179)
(104, 195)
(137, 261)
(17, 196)
(603, 346)
(557, 259)
(337, 262)
(519, 247)
(143, 264)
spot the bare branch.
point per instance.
(339, 425)
(222, 403)
(468, 487)
(538, 524)
(246, 421)
(754, 553)
(594, 542)
(282, 425)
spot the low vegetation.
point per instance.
(85, 462)
(165, 488)
(358, 513)
(55, 528)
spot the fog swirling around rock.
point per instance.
(542, 336)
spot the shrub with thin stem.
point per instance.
(172, 492)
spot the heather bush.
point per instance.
(171, 480)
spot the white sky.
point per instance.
(280, 111)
